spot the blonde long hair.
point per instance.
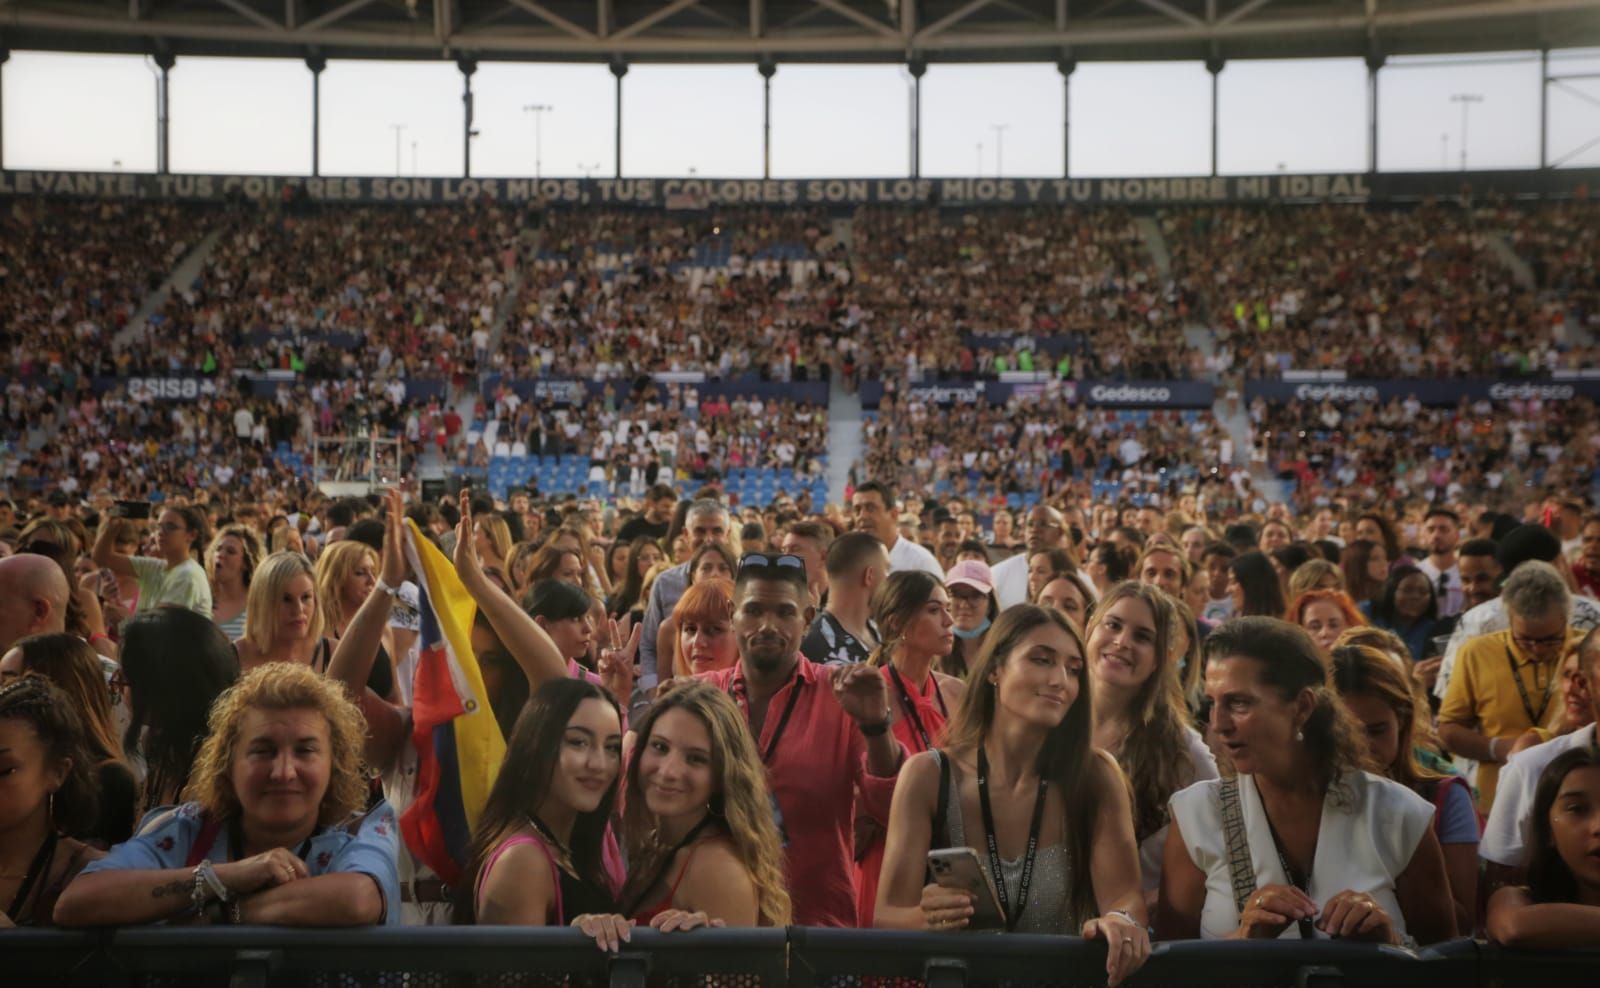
(261, 606)
(740, 800)
(333, 568)
(282, 686)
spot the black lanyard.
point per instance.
(666, 864)
(1297, 878)
(36, 870)
(1026, 879)
(783, 719)
(911, 707)
(1534, 719)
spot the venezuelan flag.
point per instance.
(458, 742)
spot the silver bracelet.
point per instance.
(209, 874)
(382, 587)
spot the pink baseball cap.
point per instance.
(971, 573)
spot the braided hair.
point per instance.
(50, 713)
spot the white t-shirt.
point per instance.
(906, 554)
(1370, 829)
(1011, 580)
(1505, 836)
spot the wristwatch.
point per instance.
(383, 587)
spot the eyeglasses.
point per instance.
(763, 560)
(1533, 643)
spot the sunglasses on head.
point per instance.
(765, 560)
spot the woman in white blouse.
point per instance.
(1302, 842)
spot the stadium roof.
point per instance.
(799, 30)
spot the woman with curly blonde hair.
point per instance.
(269, 835)
(698, 825)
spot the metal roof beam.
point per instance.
(654, 17)
(865, 20)
(249, 13)
(335, 15)
(1177, 14)
(1242, 11)
(1328, 25)
(554, 19)
(954, 17)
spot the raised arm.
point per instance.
(528, 643)
(353, 658)
(105, 551)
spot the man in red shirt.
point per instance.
(823, 733)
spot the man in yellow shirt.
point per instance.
(1507, 682)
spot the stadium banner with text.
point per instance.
(1432, 391)
(705, 193)
(566, 391)
(193, 386)
(1112, 394)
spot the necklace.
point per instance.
(551, 839)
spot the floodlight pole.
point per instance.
(1466, 100)
(1066, 67)
(619, 68)
(1214, 66)
(316, 63)
(538, 110)
(767, 67)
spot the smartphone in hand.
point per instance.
(958, 868)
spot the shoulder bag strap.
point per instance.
(941, 817)
(1240, 870)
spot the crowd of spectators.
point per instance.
(930, 279)
(379, 292)
(1042, 445)
(730, 293)
(1376, 291)
(1480, 451)
(73, 273)
(657, 434)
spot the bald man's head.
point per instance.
(33, 598)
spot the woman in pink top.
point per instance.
(698, 824)
(536, 855)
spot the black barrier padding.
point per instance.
(508, 957)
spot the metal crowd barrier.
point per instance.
(506, 957)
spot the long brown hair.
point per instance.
(894, 604)
(1154, 753)
(1066, 758)
(739, 800)
(532, 753)
(68, 662)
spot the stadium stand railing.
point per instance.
(262, 957)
